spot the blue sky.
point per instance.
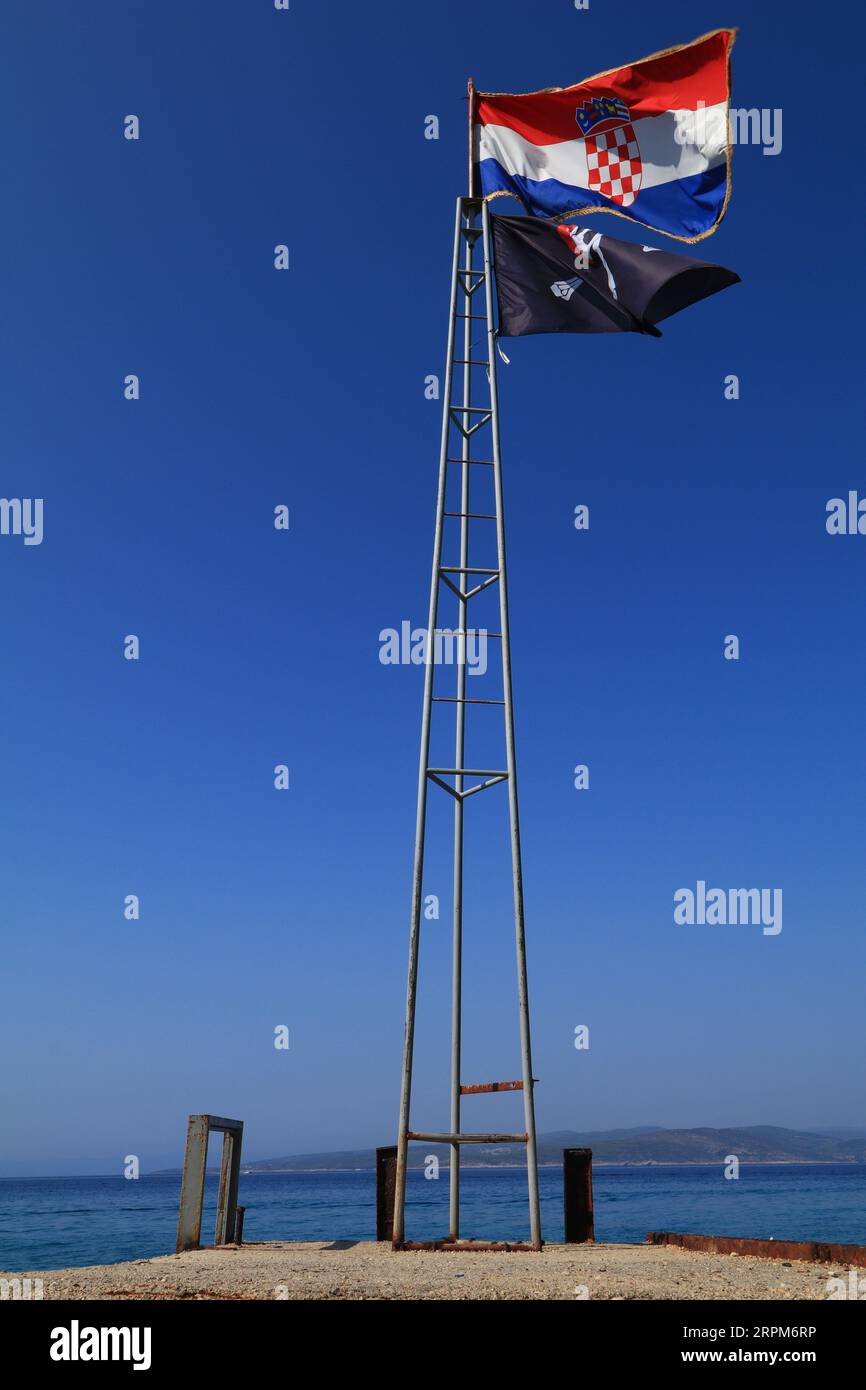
(259, 907)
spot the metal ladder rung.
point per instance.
(466, 772)
(457, 700)
(463, 569)
(467, 430)
(462, 794)
(466, 595)
(491, 1086)
(468, 1138)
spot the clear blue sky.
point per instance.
(707, 517)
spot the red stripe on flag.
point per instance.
(675, 81)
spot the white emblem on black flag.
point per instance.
(621, 288)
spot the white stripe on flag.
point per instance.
(664, 159)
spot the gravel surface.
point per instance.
(365, 1270)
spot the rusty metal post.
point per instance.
(192, 1185)
(577, 1189)
(240, 1213)
(386, 1178)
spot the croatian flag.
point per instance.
(649, 142)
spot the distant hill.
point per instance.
(644, 1145)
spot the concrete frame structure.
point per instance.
(198, 1132)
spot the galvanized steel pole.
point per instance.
(466, 581)
(424, 759)
(511, 764)
(469, 219)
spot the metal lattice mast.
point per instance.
(468, 422)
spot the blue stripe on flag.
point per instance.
(683, 207)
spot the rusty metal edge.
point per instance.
(819, 1252)
(490, 1086)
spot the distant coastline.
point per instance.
(601, 1163)
(645, 1147)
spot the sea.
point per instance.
(52, 1223)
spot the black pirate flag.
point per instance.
(567, 279)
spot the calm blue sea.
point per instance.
(48, 1223)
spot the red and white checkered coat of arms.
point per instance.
(613, 162)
